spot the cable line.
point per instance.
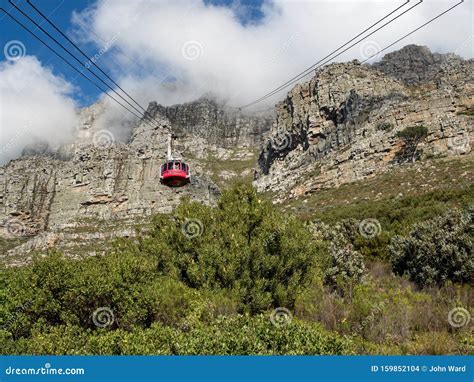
(83, 53)
(316, 66)
(413, 31)
(67, 62)
(75, 58)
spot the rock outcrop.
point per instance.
(97, 188)
(99, 181)
(216, 123)
(342, 125)
(339, 127)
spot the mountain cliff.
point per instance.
(343, 125)
(340, 127)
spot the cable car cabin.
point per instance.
(174, 173)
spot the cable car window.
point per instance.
(170, 165)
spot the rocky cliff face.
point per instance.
(339, 127)
(217, 124)
(98, 188)
(342, 125)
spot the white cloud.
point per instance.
(35, 105)
(173, 51)
(209, 50)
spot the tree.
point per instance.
(412, 136)
(437, 250)
(243, 245)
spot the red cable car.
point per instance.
(174, 172)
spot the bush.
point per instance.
(243, 245)
(344, 266)
(412, 137)
(384, 126)
(239, 335)
(437, 250)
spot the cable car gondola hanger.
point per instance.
(174, 172)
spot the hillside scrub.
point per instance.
(437, 250)
(411, 136)
(212, 281)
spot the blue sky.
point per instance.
(286, 46)
(60, 12)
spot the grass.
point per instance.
(469, 112)
(448, 180)
(243, 170)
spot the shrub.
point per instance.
(243, 245)
(437, 250)
(412, 137)
(346, 267)
(239, 335)
(384, 126)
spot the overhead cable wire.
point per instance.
(91, 60)
(413, 31)
(75, 58)
(68, 62)
(330, 56)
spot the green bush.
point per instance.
(437, 250)
(238, 335)
(243, 245)
(412, 137)
(346, 268)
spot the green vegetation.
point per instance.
(437, 250)
(384, 126)
(210, 281)
(440, 182)
(412, 136)
(469, 112)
